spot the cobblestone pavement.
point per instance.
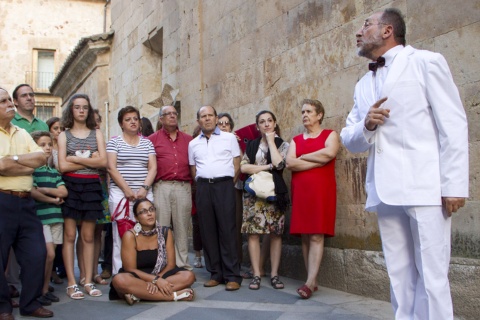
(218, 304)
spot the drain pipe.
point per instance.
(105, 16)
(107, 127)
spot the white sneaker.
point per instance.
(198, 262)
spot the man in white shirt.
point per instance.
(214, 158)
(409, 116)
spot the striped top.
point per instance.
(132, 161)
(87, 146)
(46, 177)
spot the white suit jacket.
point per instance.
(420, 154)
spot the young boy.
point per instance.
(48, 191)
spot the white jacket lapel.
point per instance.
(399, 64)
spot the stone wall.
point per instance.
(244, 56)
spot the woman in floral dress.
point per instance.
(261, 216)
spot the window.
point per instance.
(45, 110)
(45, 69)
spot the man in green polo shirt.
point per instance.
(24, 100)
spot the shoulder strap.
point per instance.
(165, 232)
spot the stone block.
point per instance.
(367, 274)
(268, 10)
(463, 63)
(464, 283)
(444, 16)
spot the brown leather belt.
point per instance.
(20, 194)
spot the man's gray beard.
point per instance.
(366, 52)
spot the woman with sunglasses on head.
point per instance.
(226, 124)
(149, 271)
(81, 153)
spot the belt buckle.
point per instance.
(211, 180)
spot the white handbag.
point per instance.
(261, 185)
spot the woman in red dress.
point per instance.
(311, 158)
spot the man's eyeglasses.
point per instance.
(171, 113)
(224, 123)
(145, 211)
(368, 24)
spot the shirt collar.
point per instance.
(168, 133)
(391, 54)
(13, 129)
(216, 131)
(18, 117)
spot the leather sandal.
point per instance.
(99, 280)
(76, 293)
(255, 283)
(93, 292)
(131, 299)
(304, 292)
(276, 283)
(185, 295)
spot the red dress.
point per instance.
(314, 192)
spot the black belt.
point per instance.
(214, 180)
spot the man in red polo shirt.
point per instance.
(172, 188)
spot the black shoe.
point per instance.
(44, 301)
(51, 289)
(50, 296)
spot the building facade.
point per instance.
(37, 36)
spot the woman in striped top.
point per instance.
(132, 167)
(81, 152)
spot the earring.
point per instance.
(137, 228)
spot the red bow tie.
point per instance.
(373, 66)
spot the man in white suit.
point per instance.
(408, 114)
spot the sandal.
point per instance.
(55, 278)
(255, 283)
(93, 292)
(276, 283)
(304, 292)
(76, 293)
(131, 299)
(99, 280)
(185, 295)
(249, 275)
(82, 282)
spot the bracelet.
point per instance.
(154, 281)
(271, 167)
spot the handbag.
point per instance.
(261, 186)
(123, 224)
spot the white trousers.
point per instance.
(173, 200)
(114, 197)
(416, 244)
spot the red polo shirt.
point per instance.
(172, 156)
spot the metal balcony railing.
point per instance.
(40, 81)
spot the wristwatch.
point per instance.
(145, 187)
(154, 281)
(15, 158)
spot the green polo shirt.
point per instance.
(23, 123)
(49, 178)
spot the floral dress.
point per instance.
(259, 215)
